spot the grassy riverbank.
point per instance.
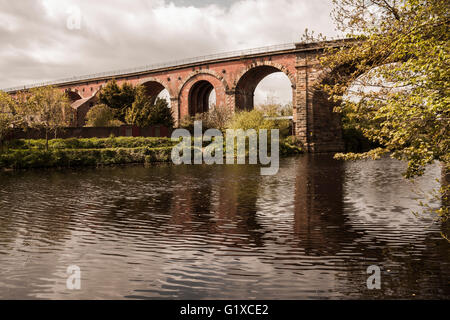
(25, 154)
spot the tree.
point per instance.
(10, 117)
(118, 98)
(161, 114)
(218, 117)
(140, 112)
(276, 109)
(395, 87)
(144, 114)
(256, 119)
(48, 108)
(403, 103)
(101, 116)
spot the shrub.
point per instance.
(187, 122)
(255, 119)
(161, 114)
(119, 99)
(101, 116)
(24, 159)
(140, 112)
(218, 118)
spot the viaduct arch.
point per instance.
(234, 77)
(194, 93)
(249, 78)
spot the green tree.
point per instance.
(118, 98)
(403, 101)
(140, 112)
(394, 84)
(161, 114)
(48, 108)
(101, 116)
(10, 117)
(143, 113)
(256, 119)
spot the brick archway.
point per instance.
(199, 96)
(200, 84)
(154, 86)
(73, 96)
(247, 81)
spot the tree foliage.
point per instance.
(393, 83)
(118, 98)
(255, 119)
(161, 113)
(140, 112)
(392, 80)
(218, 117)
(101, 116)
(10, 116)
(276, 109)
(144, 114)
(48, 108)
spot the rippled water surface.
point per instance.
(198, 232)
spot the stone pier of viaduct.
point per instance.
(234, 77)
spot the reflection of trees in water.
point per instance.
(323, 229)
(200, 200)
(320, 224)
(236, 205)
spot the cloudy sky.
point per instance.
(51, 39)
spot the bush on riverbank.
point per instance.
(256, 119)
(24, 159)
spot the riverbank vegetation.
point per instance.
(49, 108)
(44, 108)
(25, 154)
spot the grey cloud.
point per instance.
(36, 45)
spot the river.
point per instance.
(221, 232)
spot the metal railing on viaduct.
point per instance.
(157, 66)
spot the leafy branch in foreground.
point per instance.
(394, 84)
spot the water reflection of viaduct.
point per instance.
(234, 78)
(224, 203)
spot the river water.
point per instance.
(221, 232)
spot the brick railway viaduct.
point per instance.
(234, 77)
